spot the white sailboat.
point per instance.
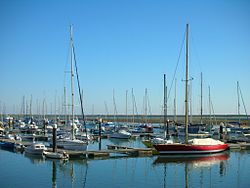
(121, 134)
(71, 143)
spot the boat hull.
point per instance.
(35, 149)
(189, 148)
(72, 145)
(34, 152)
(8, 145)
(54, 155)
(119, 136)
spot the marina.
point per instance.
(113, 149)
(119, 162)
(124, 94)
(120, 170)
(129, 151)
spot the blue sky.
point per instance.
(120, 45)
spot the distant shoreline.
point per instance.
(145, 119)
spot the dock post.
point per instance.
(221, 132)
(9, 124)
(54, 137)
(100, 137)
(168, 127)
(45, 124)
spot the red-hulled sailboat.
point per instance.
(194, 146)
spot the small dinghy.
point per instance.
(56, 155)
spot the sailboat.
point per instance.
(196, 145)
(72, 143)
(120, 131)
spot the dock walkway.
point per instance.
(115, 149)
(111, 149)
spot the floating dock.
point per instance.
(111, 149)
(240, 146)
(120, 150)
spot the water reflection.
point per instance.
(189, 163)
(55, 165)
(119, 142)
(54, 174)
(215, 170)
(7, 149)
(35, 159)
(69, 169)
(196, 161)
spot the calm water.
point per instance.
(230, 169)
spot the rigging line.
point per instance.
(212, 106)
(136, 111)
(79, 89)
(68, 60)
(64, 81)
(85, 176)
(196, 53)
(243, 102)
(106, 108)
(182, 44)
(114, 103)
(149, 107)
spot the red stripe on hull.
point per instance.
(189, 148)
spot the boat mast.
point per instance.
(238, 96)
(133, 106)
(186, 87)
(65, 102)
(240, 93)
(190, 103)
(31, 107)
(127, 106)
(165, 106)
(201, 100)
(209, 106)
(115, 109)
(72, 81)
(146, 106)
(175, 102)
(107, 111)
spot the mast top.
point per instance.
(71, 31)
